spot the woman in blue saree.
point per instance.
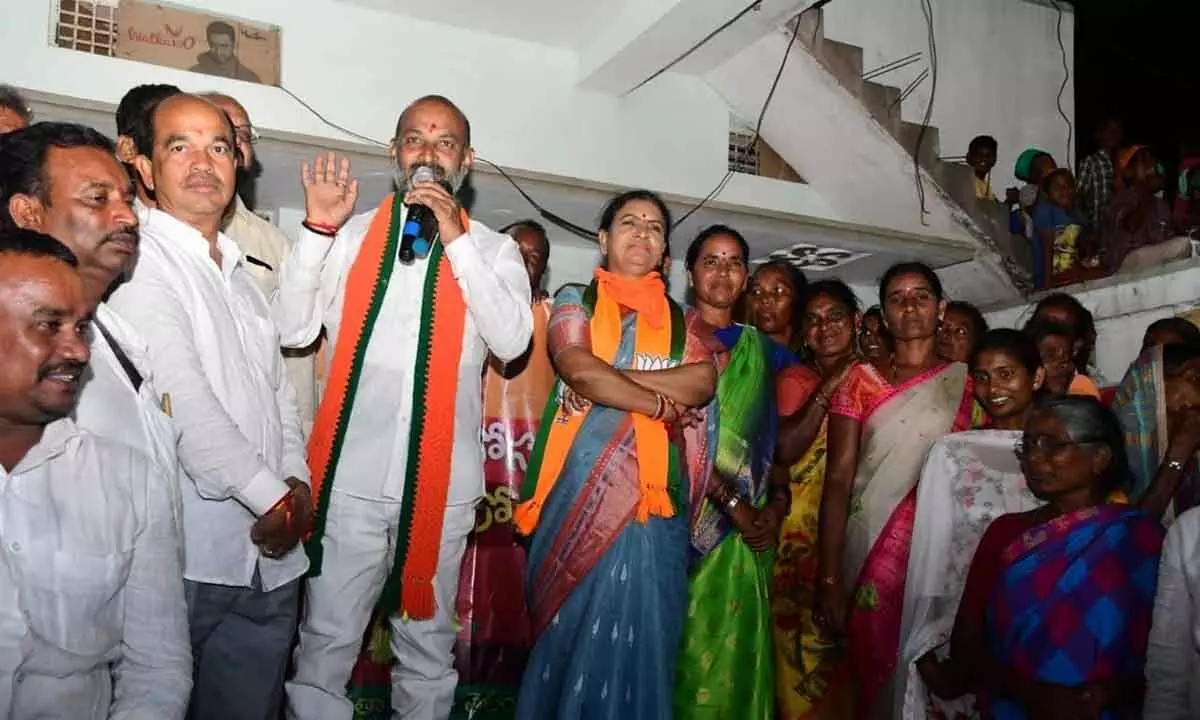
(1056, 612)
(613, 477)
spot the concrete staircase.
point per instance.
(953, 180)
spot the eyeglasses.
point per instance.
(246, 134)
(1044, 445)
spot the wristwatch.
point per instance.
(733, 501)
(1176, 465)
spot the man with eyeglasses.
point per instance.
(264, 246)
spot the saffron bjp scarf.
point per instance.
(659, 333)
(431, 432)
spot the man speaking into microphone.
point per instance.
(412, 295)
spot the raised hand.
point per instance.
(329, 191)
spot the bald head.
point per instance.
(444, 102)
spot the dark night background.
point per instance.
(1140, 61)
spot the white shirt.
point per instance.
(1173, 660)
(268, 246)
(93, 622)
(213, 347)
(495, 288)
(110, 407)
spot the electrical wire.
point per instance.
(548, 215)
(721, 28)
(1066, 79)
(329, 122)
(579, 229)
(763, 112)
(927, 12)
(542, 211)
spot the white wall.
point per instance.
(999, 69)
(361, 67)
(1123, 307)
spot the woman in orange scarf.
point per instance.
(613, 479)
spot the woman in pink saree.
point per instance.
(881, 425)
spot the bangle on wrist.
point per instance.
(660, 407)
(1176, 465)
(320, 228)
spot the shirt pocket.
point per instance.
(74, 601)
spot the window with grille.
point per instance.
(88, 26)
(743, 152)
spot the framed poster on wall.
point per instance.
(201, 42)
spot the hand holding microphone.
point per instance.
(433, 212)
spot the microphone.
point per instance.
(420, 226)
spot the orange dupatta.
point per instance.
(647, 297)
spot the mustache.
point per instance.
(439, 172)
(203, 180)
(403, 177)
(128, 234)
(70, 366)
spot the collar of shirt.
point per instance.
(190, 240)
(53, 442)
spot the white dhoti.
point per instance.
(359, 547)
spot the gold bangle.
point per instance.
(660, 407)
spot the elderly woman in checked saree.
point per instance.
(1057, 607)
(969, 479)
(881, 426)
(812, 679)
(612, 481)
(725, 668)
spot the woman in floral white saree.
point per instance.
(969, 479)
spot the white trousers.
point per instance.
(359, 546)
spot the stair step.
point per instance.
(845, 61)
(812, 29)
(883, 103)
(959, 180)
(910, 133)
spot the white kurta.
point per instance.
(362, 522)
(1173, 659)
(213, 346)
(265, 247)
(495, 286)
(93, 623)
(110, 407)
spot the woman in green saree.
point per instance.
(725, 666)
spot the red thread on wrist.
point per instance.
(286, 503)
(320, 228)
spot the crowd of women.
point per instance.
(828, 512)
